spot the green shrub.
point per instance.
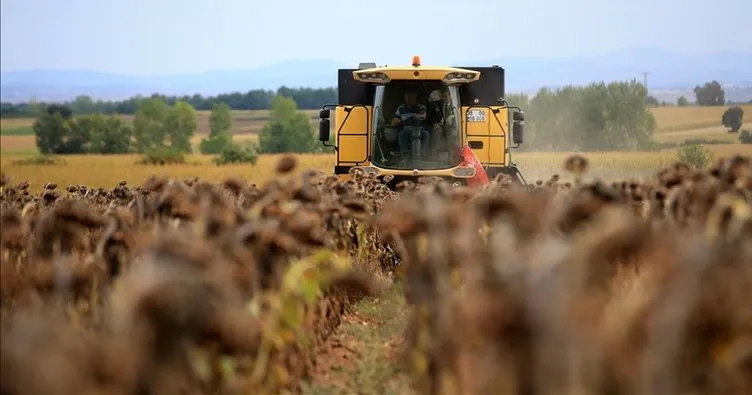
(236, 153)
(215, 143)
(654, 146)
(706, 141)
(39, 160)
(745, 136)
(695, 155)
(162, 156)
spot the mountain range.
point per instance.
(669, 74)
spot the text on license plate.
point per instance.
(476, 115)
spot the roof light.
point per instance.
(377, 77)
(416, 60)
(459, 77)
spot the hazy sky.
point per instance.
(166, 36)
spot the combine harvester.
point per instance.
(417, 121)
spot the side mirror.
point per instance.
(324, 125)
(518, 128)
(324, 130)
(518, 133)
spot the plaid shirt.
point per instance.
(411, 116)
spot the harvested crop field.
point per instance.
(105, 171)
(674, 118)
(286, 280)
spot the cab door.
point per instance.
(352, 120)
(485, 119)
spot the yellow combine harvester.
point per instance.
(412, 121)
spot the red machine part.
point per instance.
(469, 159)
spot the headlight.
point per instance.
(373, 77)
(459, 77)
(463, 172)
(368, 169)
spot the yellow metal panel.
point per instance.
(478, 133)
(356, 123)
(499, 126)
(491, 133)
(351, 133)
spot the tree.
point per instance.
(54, 133)
(180, 126)
(652, 101)
(682, 101)
(148, 125)
(629, 122)
(711, 94)
(158, 126)
(85, 133)
(220, 122)
(51, 133)
(58, 132)
(220, 119)
(518, 99)
(288, 131)
(258, 99)
(112, 136)
(116, 137)
(65, 111)
(84, 105)
(552, 117)
(733, 118)
(595, 117)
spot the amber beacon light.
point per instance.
(416, 60)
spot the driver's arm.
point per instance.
(397, 117)
(422, 113)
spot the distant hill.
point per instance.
(668, 72)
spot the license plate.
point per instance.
(476, 115)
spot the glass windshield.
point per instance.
(416, 126)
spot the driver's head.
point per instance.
(446, 95)
(411, 96)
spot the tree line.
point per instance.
(162, 132)
(599, 116)
(304, 98)
(710, 94)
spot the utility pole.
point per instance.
(645, 79)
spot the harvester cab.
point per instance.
(412, 121)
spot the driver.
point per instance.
(443, 127)
(411, 113)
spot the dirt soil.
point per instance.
(362, 356)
